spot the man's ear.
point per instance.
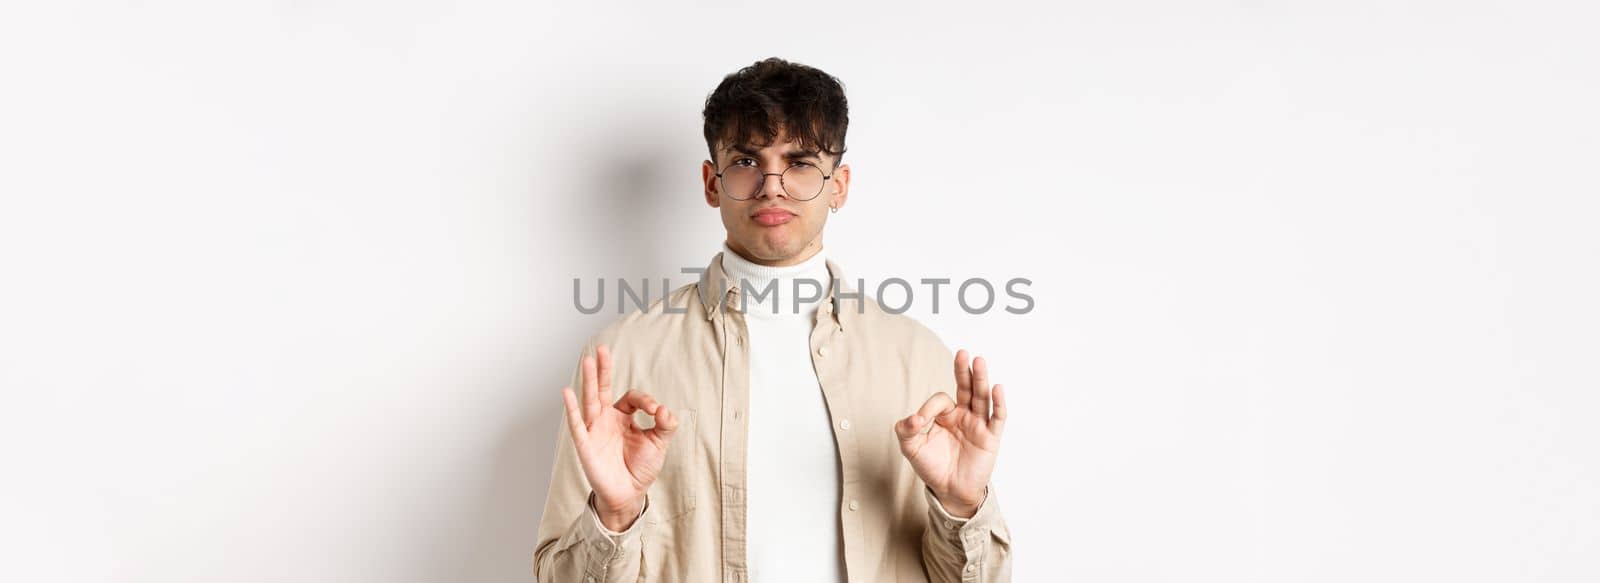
(841, 186)
(708, 174)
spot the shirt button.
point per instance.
(970, 568)
(844, 424)
(854, 506)
(948, 524)
(822, 351)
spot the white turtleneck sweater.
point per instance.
(792, 516)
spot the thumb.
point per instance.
(666, 424)
(909, 427)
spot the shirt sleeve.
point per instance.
(966, 550)
(591, 553)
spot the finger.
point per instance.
(604, 353)
(997, 423)
(908, 428)
(591, 389)
(574, 416)
(936, 406)
(666, 423)
(637, 401)
(963, 379)
(980, 387)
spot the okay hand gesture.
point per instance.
(952, 446)
(620, 460)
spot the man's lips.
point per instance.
(772, 217)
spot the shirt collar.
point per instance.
(715, 287)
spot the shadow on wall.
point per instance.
(618, 196)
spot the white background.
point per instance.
(285, 288)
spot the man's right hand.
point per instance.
(620, 460)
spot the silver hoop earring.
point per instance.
(833, 209)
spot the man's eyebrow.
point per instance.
(791, 154)
(741, 149)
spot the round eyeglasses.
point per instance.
(801, 181)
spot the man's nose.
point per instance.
(772, 185)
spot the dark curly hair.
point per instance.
(751, 105)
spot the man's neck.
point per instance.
(786, 294)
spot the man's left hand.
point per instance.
(955, 455)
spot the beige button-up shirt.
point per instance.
(689, 352)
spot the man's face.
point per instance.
(771, 227)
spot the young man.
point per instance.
(788, 428)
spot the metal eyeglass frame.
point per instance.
(781, 183)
